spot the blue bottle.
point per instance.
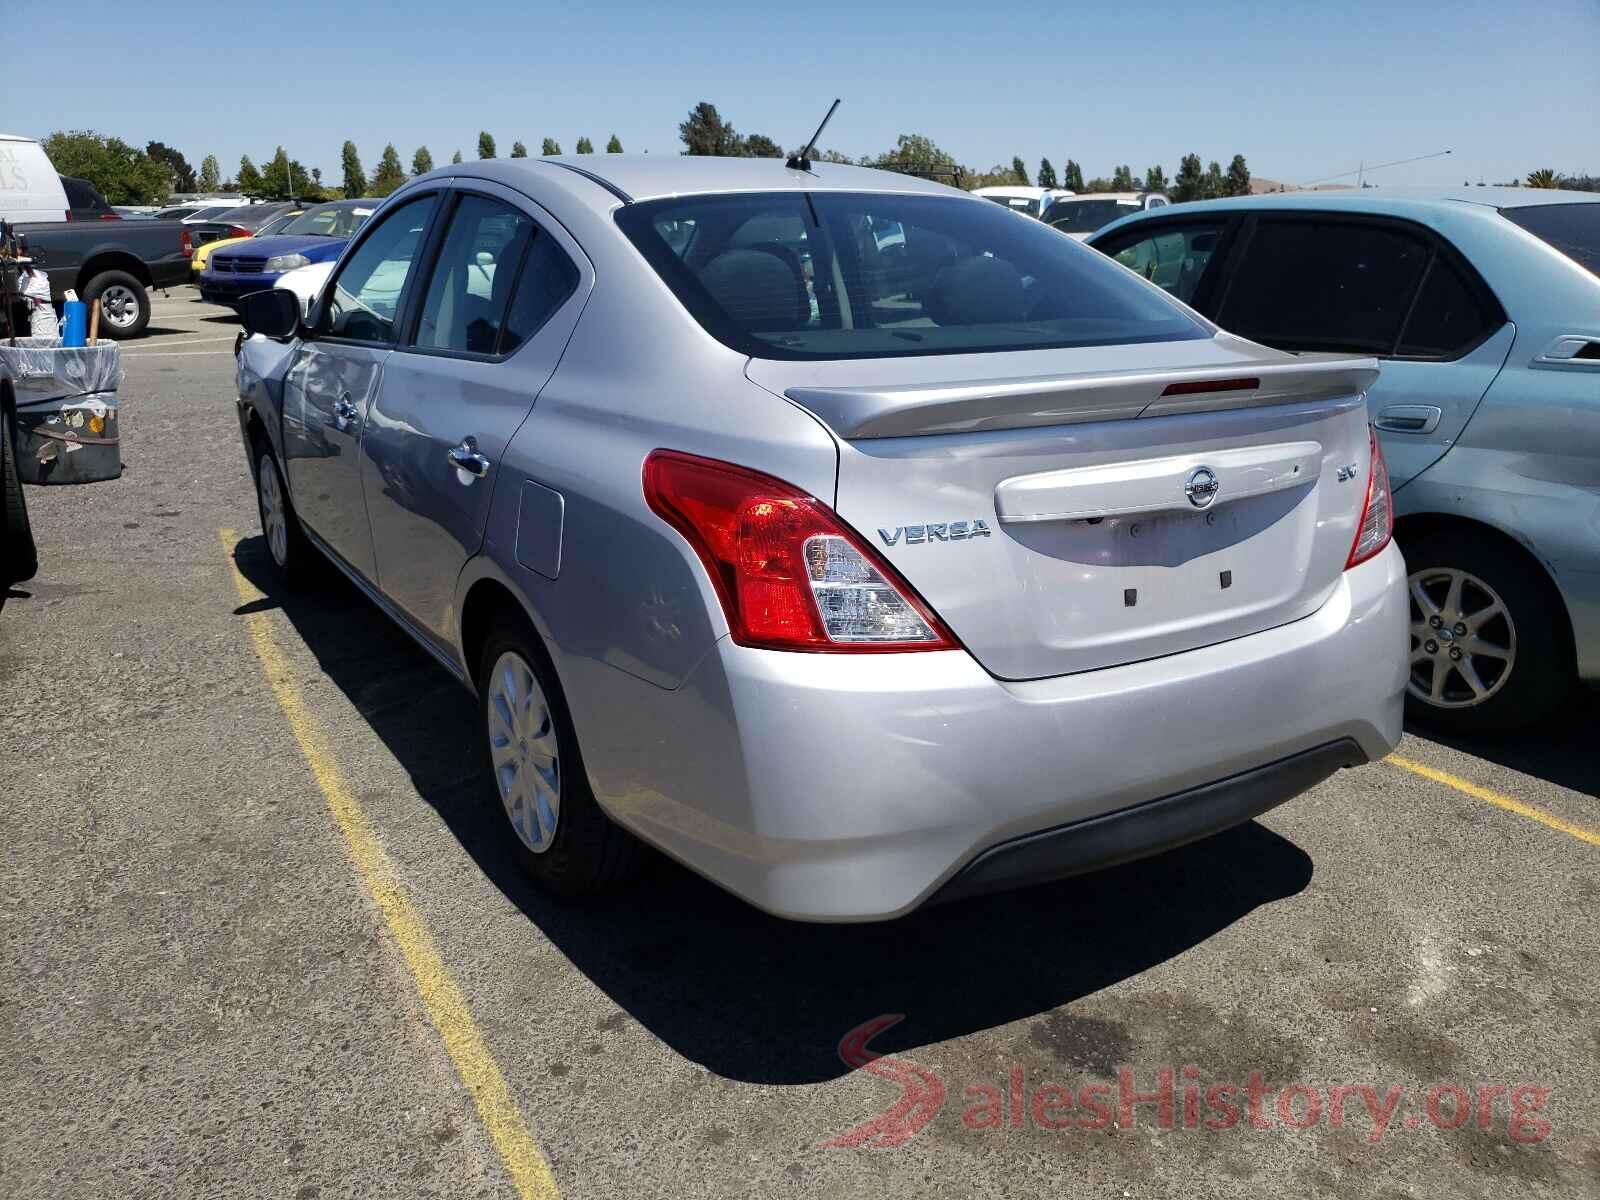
(75, 327)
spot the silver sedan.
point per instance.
(848, 539)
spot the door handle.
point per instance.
(465, 457)
(344, 412)
(1409, 418)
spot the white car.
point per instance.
(1079, 216)
(306, 282)
(1030, 200)
(30, 189)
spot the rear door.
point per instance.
(1379, 286)
(330, 388)
(495, 311)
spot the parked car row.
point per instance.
(1483, 307)
(237, 267)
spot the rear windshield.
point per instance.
(829, 275)
(1085, 216)
(1020, 203)
(1573, 229)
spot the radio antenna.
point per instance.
(800, 160)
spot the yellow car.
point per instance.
(197, 263)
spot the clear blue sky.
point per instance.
(1301, 90)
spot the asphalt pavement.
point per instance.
(262, 936)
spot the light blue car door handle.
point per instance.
(1409, 418)
(465, 457)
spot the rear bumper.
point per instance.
(842, 787)
(1148, 828)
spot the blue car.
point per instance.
(1484, 306)
(317, 235)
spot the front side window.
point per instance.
(1573, 229)
(1324, 285)
(828, 275)
(1174, 259)
(367, 290)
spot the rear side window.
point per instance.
(1573, 229)
(832, 275)
(497, 279)
(1449, 317)
(1173, 258)
(465, 305)
(548, 278)
(1315, 285)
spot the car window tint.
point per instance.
(1174, 259)
(1449, 316)
(469, 292)
(1324, 285)
(1573, 229)
(548, 277)
(366, 292)
(884, 275)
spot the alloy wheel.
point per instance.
(524, 751)
(1463, 641)
(119, 306)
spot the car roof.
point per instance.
(1421, 204)
(631, 177)
(1032, 193)
(1397, 199)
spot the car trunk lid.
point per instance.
(1064, 513)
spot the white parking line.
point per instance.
(225, 337)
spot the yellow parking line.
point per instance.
(441, 996)
(1498, 799)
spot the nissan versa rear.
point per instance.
(849, 539)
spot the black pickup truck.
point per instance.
(116, 262)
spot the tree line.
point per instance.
(125, 174)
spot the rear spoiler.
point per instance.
(969, 407)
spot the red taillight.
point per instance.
(1377, 510)
(110, 216)
(186, 243)
(790, 574)
(239, 231)
(1200, 386)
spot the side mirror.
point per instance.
(274, 313)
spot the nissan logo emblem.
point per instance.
(1202, 487)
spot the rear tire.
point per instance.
(19, 556)
(561, 838)
(124, 304)
(1486, 603)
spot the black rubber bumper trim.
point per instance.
(1148, 828)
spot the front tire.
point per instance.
(1488, 651)
(290, 552)
(124, 304)
(19, 556)
(561, 838)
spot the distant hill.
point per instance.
(1260, 186)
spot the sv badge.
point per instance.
(950, 531)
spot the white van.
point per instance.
(30, 189)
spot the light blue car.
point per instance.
(1484, 306)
